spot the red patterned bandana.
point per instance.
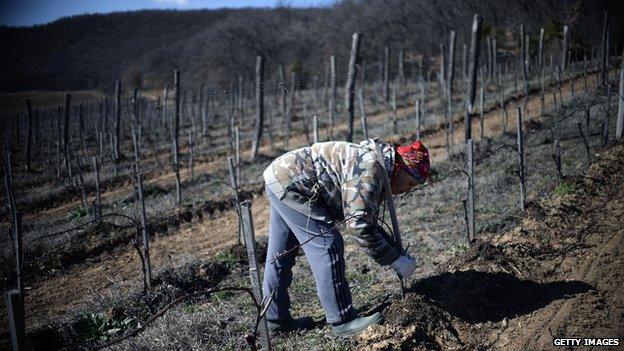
(414, 160)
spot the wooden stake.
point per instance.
(254, 269)
(605, 122)
(146, 254)
(481, 110)
(417, 110)
(332, 100)
(474, 62)
(98, 194)
(259, 106)
(471, 191)
(176, 135)
(15, 312)
(619, 129)
(350, 85)
(521, 159)
(29, 133)
(315, 128)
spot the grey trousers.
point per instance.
(324, 250)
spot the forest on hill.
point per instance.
(216, 46)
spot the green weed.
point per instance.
(564, 188)
(98, 326)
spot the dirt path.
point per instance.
(52, 296)
(558, 274)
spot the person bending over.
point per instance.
(310, 190)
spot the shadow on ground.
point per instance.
(476, 297)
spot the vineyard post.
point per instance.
(148, 268)
(237, 153)
(254, 269)
(449, 88)
(58, 160)
(474, 62)
(83, 192)
(556, 144)
(290, 111)
(332, 100)
(176, 132)
(605, 122)
(191, 147)
(481, 110)
(15, 312)
(270, 126)
(417, 110)
(541, 71)
(362, 112)
(619, 130)
(101, 145)
(494, 57)
(488, 56)
(16, 219)
(137, 151)
(585, 72)
(282, 78)
(350, 86)
(315, 90)
(395, 117)
(558, 83)
(59, 140)
(464, 63)
(112, 145)
(66, 137)
(235, 199)
(82, 130)
(565, 42)
(386, 86)
(442, 73)
(524, 57)
(259, 106)
(98, 194)
(117, 120)
(401, 77)
(29, 133)
(585, 135)
(306, 122)
(471, 191)
(165, 116)
(515, 77)
(315, 128)
(241, 100)
(521, 159)
(603, 50)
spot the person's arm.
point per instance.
(360, 197)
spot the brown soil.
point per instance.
(558, 274)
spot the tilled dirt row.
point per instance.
(558, 274)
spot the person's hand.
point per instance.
(404, 265)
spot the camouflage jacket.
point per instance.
(337, 180)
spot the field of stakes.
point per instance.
(88, 199)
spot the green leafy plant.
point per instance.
(564, 188)
(98, 326)
(79, 212)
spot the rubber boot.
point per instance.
(285, 326)
(356, 325)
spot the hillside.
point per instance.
(215, 46)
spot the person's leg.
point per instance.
(278, 274)
(323, 247)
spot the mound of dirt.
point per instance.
(558, 274)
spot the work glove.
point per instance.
(404, 265)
